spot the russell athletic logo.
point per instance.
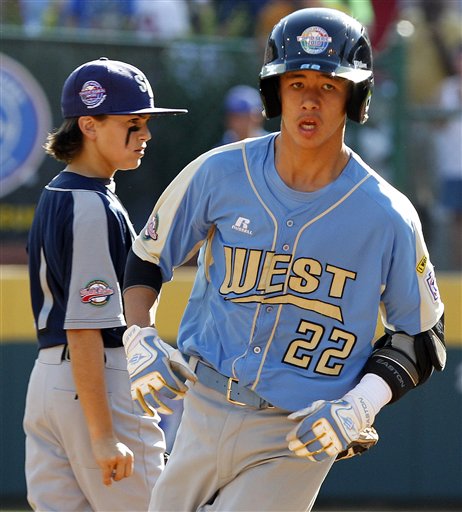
(242, 225)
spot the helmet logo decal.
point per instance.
(92, 94)
(359, 64)
(314, 40)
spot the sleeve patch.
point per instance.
(421, 265)
(96, 293)
(151, 229)
(432, 286)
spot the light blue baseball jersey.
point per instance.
(289, 284)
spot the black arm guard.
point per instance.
(430, 350)
(405, 362)
(141, 273)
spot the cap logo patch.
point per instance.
(96, 293)
(92, 94)
(314, 40)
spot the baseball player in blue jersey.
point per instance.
(301, 245)
(82, 429)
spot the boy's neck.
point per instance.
(309, 170)
(89, 170)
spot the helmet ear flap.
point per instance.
(269, 91)
(358, 104)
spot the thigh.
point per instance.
(136, 430)
(264, 474)
(142, 434)
(190, 476)
(274, 484)
(234, 458)
(50, 479)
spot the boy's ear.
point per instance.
(87, 125)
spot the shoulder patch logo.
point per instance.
(96, 293)
(151, 228)
(421, 265)
(242, 225)
(432, 286)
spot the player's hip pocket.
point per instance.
(70, 427)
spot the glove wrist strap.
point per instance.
(368, 397)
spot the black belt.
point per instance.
(66, 355)
(228, 386)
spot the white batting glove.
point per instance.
(155, 368)
(327, 428)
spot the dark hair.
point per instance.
(66, 142)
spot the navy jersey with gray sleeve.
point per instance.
(289, 284)
(77, 246)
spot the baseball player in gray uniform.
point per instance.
(83, 432)
(301, 245)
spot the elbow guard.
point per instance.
(405, 362)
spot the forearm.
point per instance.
(87, 360)
(140, 305)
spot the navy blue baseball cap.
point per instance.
(110, 87)
(243, 99)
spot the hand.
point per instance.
(368, 438)
(114, 458)
(327, 428)
(155, 368)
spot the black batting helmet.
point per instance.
(319, 39)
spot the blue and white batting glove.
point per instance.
(327, 428)
(155, 368)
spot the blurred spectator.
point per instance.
(237, 17)
(433, 29)
(384, 15)
(243, 114)
(34, 14)
(270, 14)
(161, 19)
(448, 146)
(436, 28)
(107, 14)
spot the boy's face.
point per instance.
(122, 139)
(313, 107)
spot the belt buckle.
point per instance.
(229, 389)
